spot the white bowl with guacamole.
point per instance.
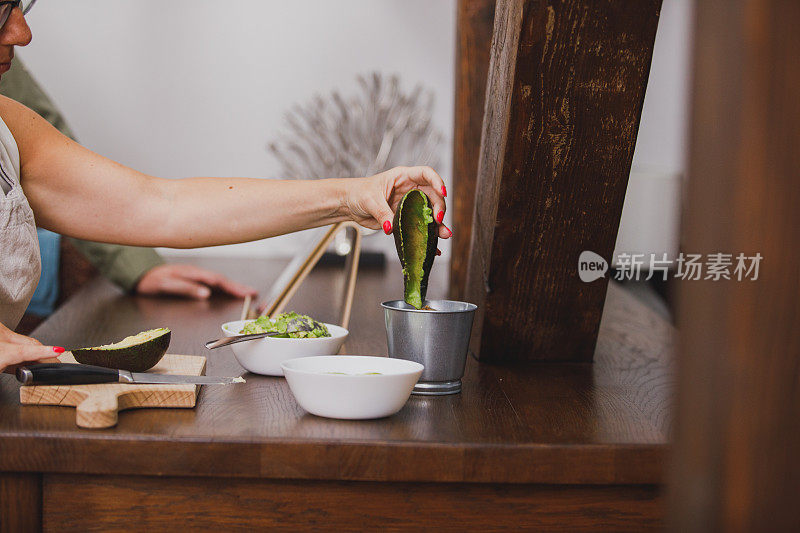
(264, 356)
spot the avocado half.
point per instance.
(136, 353)
(415, 237)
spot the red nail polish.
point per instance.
(444, 191)
(58, 349)
(440, 217)
(449, 232)
(387, 227)
(438, 252)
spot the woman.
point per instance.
(76, 192)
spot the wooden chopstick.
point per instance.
(352, 263)
(300, 274)
(308, 264)
(246, 307)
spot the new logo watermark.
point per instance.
(627, 266)
(591, 266)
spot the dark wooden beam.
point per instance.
(473, 42)
(738, 413)
(565, 90)
(20, 502)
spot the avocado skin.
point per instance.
(414, 294)
(138, 358)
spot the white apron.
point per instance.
(20, 263)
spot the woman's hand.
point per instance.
(372, 201)
(189, 281)
(16, 349)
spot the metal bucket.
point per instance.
(438, 339)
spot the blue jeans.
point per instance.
(44, 299)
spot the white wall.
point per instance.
(198, 87)
(661, 144)
(651, 214)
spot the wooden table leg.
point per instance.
(20, 502)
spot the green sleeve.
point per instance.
(123, 265)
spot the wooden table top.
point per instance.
(606, 422)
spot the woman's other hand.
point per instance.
(372, 201)
(16, 349)
(188, 281)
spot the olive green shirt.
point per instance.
(123, 265)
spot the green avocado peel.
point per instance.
(415, 237)
(136, 353)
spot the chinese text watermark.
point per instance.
(632, 266)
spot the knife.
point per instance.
(75, 374)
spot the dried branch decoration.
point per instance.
(378, 128)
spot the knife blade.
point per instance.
(75, 374)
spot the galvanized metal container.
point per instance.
(438, 339)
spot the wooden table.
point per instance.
(561, 446)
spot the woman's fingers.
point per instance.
(16, 349)
(186, 288)
(189, 281)
(7, 335)
(14, 354)
(235, 289)
(213, 279)
(428, 176)
(426, 180)
(16, 338)
(373, 206)
(433, 186)
(381, 212)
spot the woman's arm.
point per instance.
(76, 192)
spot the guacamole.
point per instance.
(288, 322)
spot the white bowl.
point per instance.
(351, 394)
(264, 356)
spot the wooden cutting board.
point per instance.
(97, 406)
